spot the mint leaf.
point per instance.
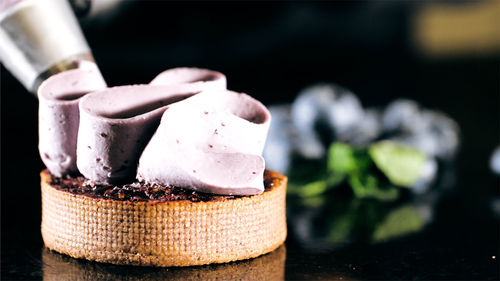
(400, 164)
(314, 188)
(341, 226)
(305, 172)
(369, 186)
(341, 158)
(403, 220)
(345, 159)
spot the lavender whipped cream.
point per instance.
(183, 129)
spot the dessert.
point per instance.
(164, 174)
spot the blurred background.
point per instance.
(439, 57)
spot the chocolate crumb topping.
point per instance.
(142, 192)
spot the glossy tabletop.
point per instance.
(458, 238)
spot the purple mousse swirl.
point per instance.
(183, 129)
(58, 113)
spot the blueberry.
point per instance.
(445, 131)
(277, 156)
(278, 148)
(320, 113)
(366, 130)
(311, 105)
(345, 113)
(400, 116)
(309, 146)
(495, 161)
(432, 132)
(427, 176)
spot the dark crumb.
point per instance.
(140, 191)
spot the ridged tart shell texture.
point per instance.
(174, 233)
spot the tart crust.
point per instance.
(173, 233)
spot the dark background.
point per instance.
(271, 50)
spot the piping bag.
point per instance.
(39, 38)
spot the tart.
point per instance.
(160, 226)
(168, 173)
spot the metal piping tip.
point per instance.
(39, 38)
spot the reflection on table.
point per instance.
(60, 267)
(333, 221)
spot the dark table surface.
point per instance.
(460, 240)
